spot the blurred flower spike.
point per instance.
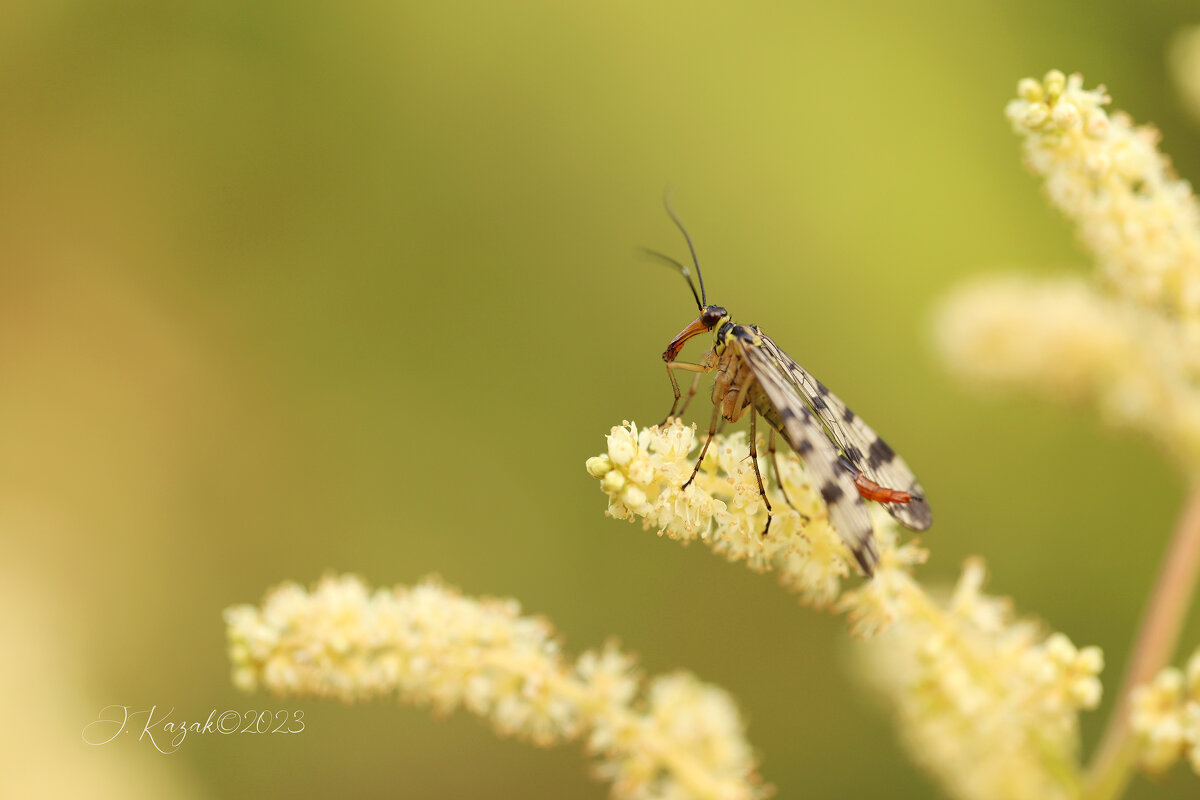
(1126, 344)
(671, 737)
(1129, 344)
(1133, 214)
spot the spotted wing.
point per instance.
(869, 454)
(782, 407)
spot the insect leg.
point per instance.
(674, 388)
(779, 476)
(775, 466)
(691, 393)
(712, 430)
(754, 460)
(699, 369)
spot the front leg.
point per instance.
(687, 366)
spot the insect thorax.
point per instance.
(725, 334)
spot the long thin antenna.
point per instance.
(687, 273)
(691, 247)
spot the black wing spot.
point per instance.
(831, 493)
(848, 415)
(822, 389)
(866, 557)
(880, 453)
(805, 448)
(853, 454)
(819, 403)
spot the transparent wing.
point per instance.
(782, 407)
(864, 448)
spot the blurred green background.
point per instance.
(296, 287)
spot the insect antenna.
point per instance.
(691, 247)
(687, 273)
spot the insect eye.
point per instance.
(712, 315)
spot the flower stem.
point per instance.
(1112, 765)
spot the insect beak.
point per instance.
(695, 329)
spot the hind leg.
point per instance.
(754, 460)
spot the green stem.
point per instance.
(1112, 765)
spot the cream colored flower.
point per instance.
(1130, 347)
(1157, 720)
(429, 645)
(985, 702)
(643, 471)
(1166, 718)
(1137, 218)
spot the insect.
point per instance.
(848, 460)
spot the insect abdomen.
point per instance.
(762, 404)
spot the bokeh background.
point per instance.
(296, 287)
